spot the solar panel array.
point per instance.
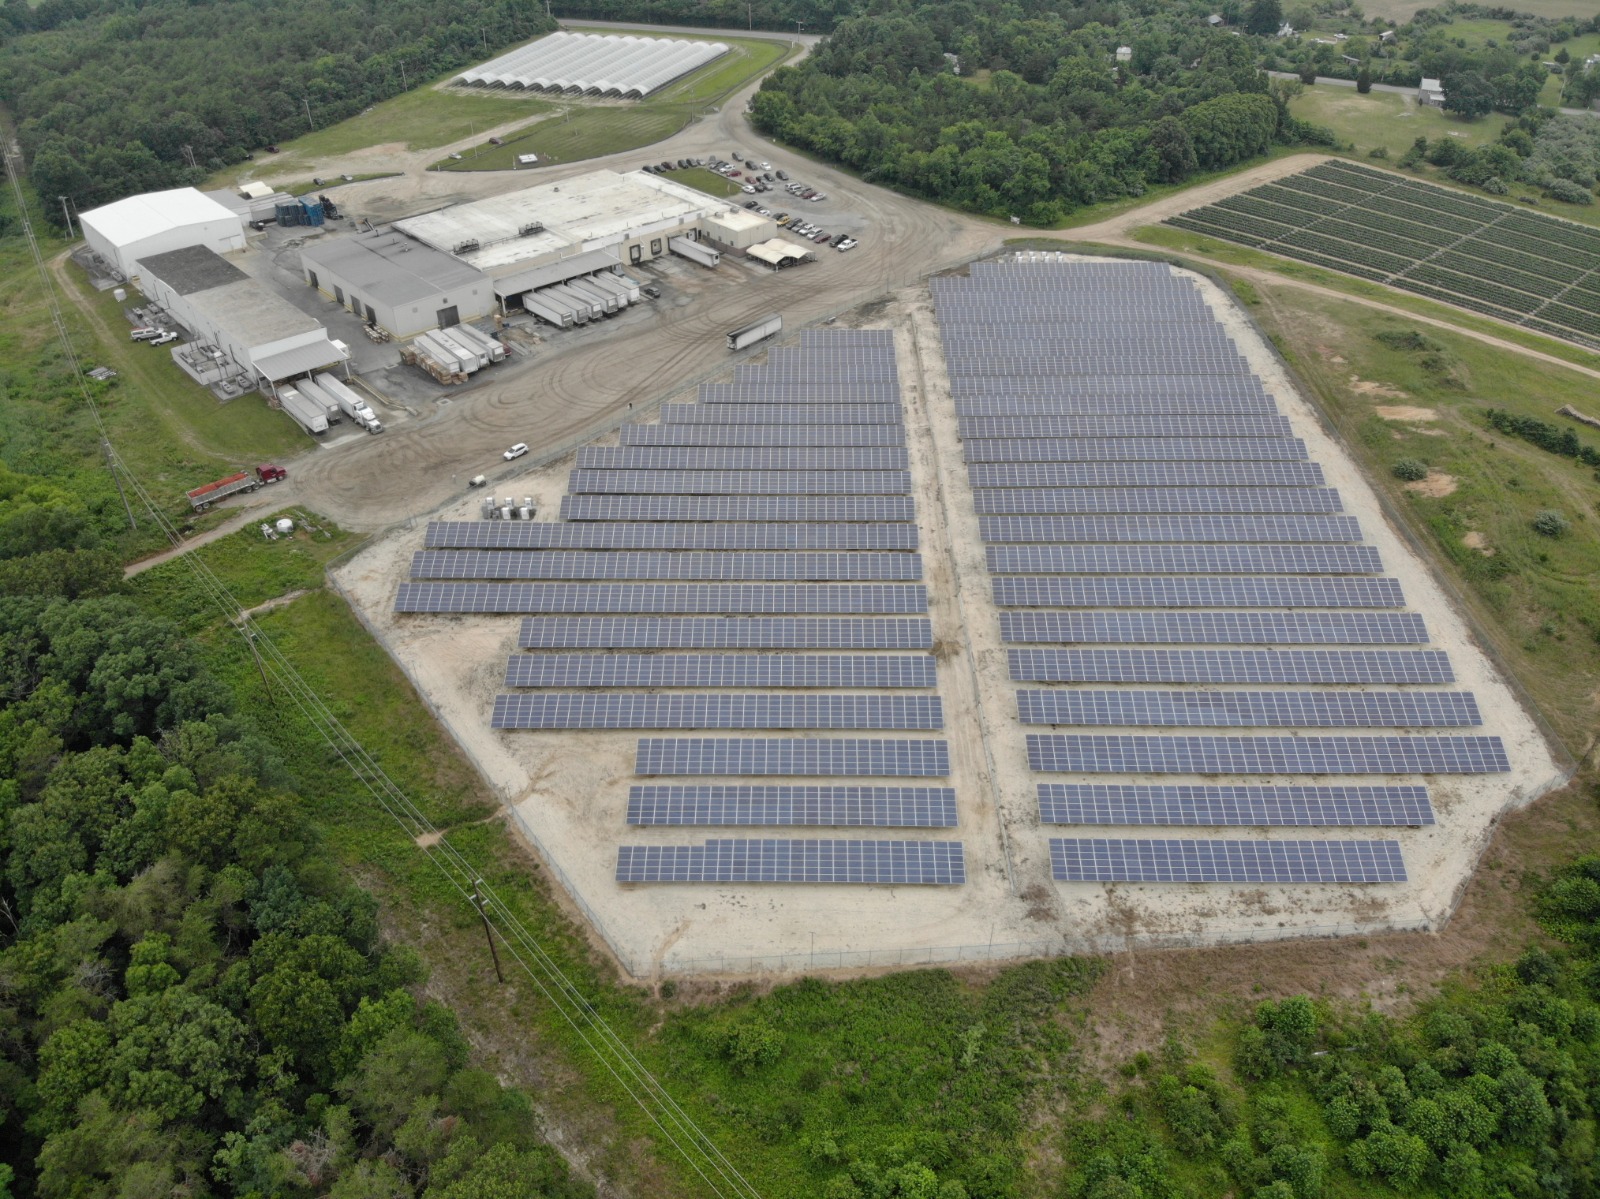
(748, 564)
(1138, 488)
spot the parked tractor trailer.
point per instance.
(767, 326)
(350, 403)
(307, 413)
(202, 498)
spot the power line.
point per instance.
(676, 1126)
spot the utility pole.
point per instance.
(307, 103)
(250, 640)
(488, 931)
(404, 86)
(749, 14)
(70, 234)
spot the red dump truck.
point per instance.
(202, 498)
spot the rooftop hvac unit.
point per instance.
(466, 247)
(531, 228)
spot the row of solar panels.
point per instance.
(903, 670)
(750, 804)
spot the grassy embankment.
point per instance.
(707, 181)
(593, 129)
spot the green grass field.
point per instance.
(1404, 10)
(707, 181)
(1388, 119)
(593, 129)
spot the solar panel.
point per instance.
(1195, 861)
(751, 508)
(645, 710)
(792, 756)
(1127, 403)
(779, 804)
(1183, 559)
(741, 482)
(1175, 804)
(727, 598)
(790, 861)
(780, 414)
(522, 534)
(1193, 591)
(865, 391)
(763, 435)
(1293, 529)
(1215, 628)
(1067, 500)
(1164, 475)
(1133, 754)
(1165, 425)
(1229, 666)
(1250, 709)
(1135, 449)
(646, 457)
(720, 670)
(725, 632)
(566, 564)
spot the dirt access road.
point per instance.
(408, 471)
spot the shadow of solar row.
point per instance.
(1214, 628)
(795, 861)
(877, 391)
(636, 710)
(727, 632)
(881, 510)
(1144, 474)
(740, 482)
(1174, 501)
(1133, 754)
(795, 566)
(763, 435)
(1196, 861)
(631, 457)
(721, 670)
(793, 756)
(780, 414)
(1250, 709)
(1170, 425)
(1135, 449)
(1183, 559)
(1295, 530)
(779, 804)
(1193, 591)
(600, 535)
(716, 598)
(1229, 666)
(1219, 807)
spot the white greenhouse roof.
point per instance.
(124, 222)
(594, 64)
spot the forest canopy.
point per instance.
(111, 99)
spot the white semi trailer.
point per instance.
(352, 405)
(308, 414)
(767, 326)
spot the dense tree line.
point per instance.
(1057, 123)
(112, 99)
(192, 1001)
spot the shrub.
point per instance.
(1378, 152)
(1550, 523)
(1410, 470)
(1568, 192)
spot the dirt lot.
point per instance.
(569, 790)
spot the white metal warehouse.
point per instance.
(125, 231)
(594, 64)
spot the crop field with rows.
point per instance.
(1490, 257)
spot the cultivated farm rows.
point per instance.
(1490, 257)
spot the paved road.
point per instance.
(1330, 81)
(407, 472)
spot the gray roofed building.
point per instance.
(397, 282)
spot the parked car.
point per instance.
(651, 290)
(765, 166)
(515, 451)
(821, 237)
(748, 190)
(848, 243)
(145, 334)
(493, 141)
(764, 211)
(817, 197)
(783, 175)
(272, 149)
(166, 335)
(749, 203)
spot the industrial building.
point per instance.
(252, 202)
(593, 64)
(127, 231)
(542, 236)
(396, 282)
(244, 327)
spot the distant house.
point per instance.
(1286, 30)
(1124, 53)
(1214, 20)
(1386, 36)
(1431, 93)
(1354, 62)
